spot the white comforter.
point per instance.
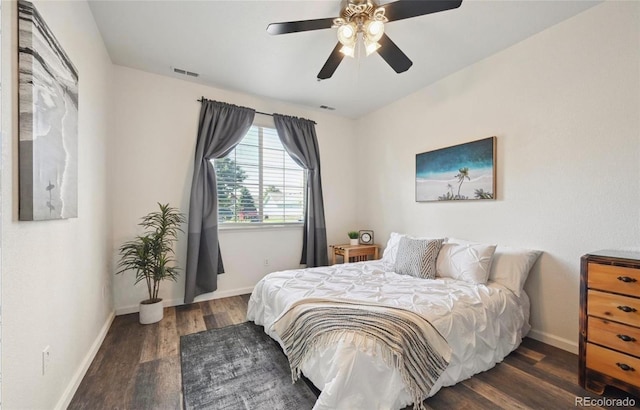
(482, 324)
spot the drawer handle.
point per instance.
(625, 367)
(626, 338)
(627, 279)
(627, 309)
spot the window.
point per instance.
(259, 183)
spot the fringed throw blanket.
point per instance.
(407, 340)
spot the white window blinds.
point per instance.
(259, 183)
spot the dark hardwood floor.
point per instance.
(138, 367)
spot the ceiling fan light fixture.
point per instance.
(348, 34)
(370, 46)
(373, 30)
(349, 51)
(360, 20)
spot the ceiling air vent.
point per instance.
(326, 107)
(185, 72)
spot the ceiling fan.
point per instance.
(364, 19)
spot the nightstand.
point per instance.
(355, 253)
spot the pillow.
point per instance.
(391, 250)
(417, 257)
(510, 266)
(467, 262)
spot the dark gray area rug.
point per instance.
(239, 367)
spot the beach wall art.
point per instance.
(460, 172)
(48, 122)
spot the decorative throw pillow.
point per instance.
(417, 257)
(467, 262)
(391, 249)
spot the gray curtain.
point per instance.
(299, 139)
(222, 126)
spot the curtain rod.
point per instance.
(265, 113)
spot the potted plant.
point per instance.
(150, 256)
(353, 237)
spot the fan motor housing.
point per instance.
(354, 8)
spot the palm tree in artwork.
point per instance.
(462, 174)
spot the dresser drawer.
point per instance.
(613, 364)
(622, 309)
(614, 279)
(614, 335)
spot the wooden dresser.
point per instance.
(610, 321)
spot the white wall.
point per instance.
(155, 127)
(53, 272)
(564, 105)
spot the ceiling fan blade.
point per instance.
(334, 60)
(404, 9)
(392, 54)
(297, 26)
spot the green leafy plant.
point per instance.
(352, 235)
(150, 255)
(482, 194)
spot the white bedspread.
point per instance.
(482, 324)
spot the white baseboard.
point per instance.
(224, 294)
(65, 400)
(177, 302)
(554, 341)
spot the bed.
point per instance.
(481, 322)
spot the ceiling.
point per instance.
(227, 44)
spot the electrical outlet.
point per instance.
(266, 262)
(46, 360)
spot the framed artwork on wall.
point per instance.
(460, 172)
(48, 123)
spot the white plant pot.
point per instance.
(353, 241)
(151, 312)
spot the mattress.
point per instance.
(481, 323)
